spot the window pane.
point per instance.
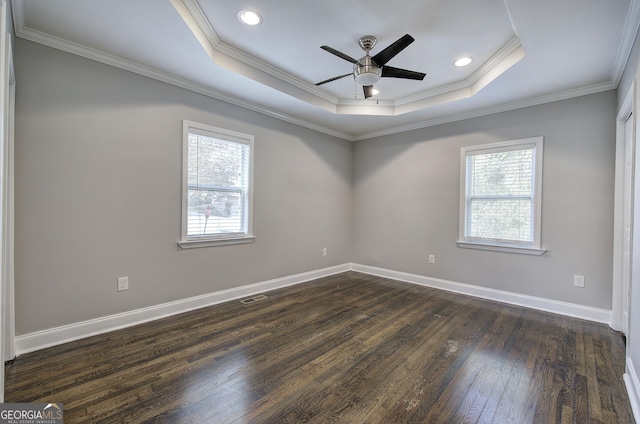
(500, 219)
(502, 173)
(216, 163)
(218, 179)
(215, 212)
(500, 193)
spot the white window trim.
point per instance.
(498, 245)
(217, 240)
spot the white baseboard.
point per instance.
(539, 303)
(58, 335)
(633, 389)
(63, 334)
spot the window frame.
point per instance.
(530, 248)
(186, 241)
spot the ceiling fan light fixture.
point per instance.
(365, 72)
(463, 61)
(249, 17)
(367, 77)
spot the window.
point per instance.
(216, 188)
(500, 196)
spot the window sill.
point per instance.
(192, 244)
(498, 248)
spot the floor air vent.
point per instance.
(253, 299)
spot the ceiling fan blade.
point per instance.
(391, 72)
(334, 78)
(368, 91)
(387, 54)
(339, 54)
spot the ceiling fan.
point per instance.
(369, 69)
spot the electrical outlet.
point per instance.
(123, 283)
(578, 280)
(432, 259)
(324, 251)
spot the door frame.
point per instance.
(7, 101)
(620, 288)
(8, 202)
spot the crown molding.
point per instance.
(17, 15)
(243, 63)
(127, 65)
(631, 26)
(506, 107)
(221, 49)
(507, 56)
(510, 15)
(238, 61)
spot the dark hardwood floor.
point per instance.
(350, 348)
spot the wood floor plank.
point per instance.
(491, 355)
(448, 361)
(580, 408)
(595, 405)
(519, 387)
(349, 348)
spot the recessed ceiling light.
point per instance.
(463, 61)
(249, 17)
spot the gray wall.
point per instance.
(98, 173)
(98, 180)
(406, 200)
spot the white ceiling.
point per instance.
(524, 52)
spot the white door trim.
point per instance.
(620, 288)
(9, 352)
